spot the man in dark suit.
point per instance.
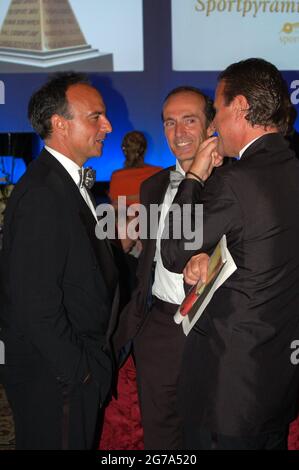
(59, 282)
(148, 318)
(238, 383)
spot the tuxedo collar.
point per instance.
(156, 188)
(46, 158)
(161, 185)
(71, 167)
(271, 141)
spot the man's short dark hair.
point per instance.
(51, 99)
(265, 90)
(209, 104)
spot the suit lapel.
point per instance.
(155, 195)
(101, 248)
(105, 240)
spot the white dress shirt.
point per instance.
(167, 286)
(73, 170)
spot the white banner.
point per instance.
(210, 35)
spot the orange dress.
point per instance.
(127, 182)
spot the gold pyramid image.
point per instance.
(45, 34)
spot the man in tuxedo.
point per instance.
(59, 282)
(238, 383)
(148, 318)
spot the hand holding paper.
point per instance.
(196, 269)
(221, 265)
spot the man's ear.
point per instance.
(241, 106)
(59, 123)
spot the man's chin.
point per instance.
(184, 158)
(186, 151)
(96, 154)
(99, 149)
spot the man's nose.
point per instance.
(106, 125)
(179, 128)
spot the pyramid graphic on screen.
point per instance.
(44, 34)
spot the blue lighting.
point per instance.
(11, 167)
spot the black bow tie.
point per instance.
(87, 177)
(175, 178)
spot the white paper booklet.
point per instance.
(221, 267)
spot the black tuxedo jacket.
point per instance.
(152, 191)
(237, 374)
(58, 282)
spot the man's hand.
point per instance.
(196, 268)
(206, 159)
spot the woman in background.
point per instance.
(127, 181)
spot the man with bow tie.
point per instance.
(158, 342)
(59, 282)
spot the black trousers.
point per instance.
(158, 351)
(200, 439)
(47, 417)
